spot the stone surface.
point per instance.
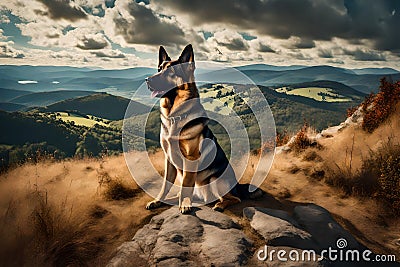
(209, 238)
(324, 229)
(278, 228)
(203, 238)
(310, 227)
(355, 119)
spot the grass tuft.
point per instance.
(118, 190)
(378, 177)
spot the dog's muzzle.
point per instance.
(154, 92)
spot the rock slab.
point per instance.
(203, 238)
(310, 227)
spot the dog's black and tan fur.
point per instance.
(175, 85)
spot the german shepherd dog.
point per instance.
(183, 133)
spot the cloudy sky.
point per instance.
(127, 33)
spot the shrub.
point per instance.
(282, 138)
(359, 183)
(389, 180)
(117, 190)
(351, 110)
(377, 108)
(378, 177)
(301, 140)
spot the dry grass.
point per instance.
(376, 174)
(64, 213)
(311, 155)
(377, 177)
(118, 190)
(49, 235)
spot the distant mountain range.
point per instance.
(125, 81)
(101, 105)
(47, 98)
(363, 80)
(38, 79)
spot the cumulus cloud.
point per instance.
(63, 9)
(2, 37)
(41, 33)
(300, 43)
(318, 31)
(325, 53)
(299, 55)
(336, 61)
(109, 54)
(7, 51)
(138, 24)
(232, 40)
(310, 19)
(265, 48)
(4, 18)
(365, 55)
(92, 42)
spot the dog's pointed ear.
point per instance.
(162, 56)
(187, 55)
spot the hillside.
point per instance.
(381, 71)
(33, 128)
(338, 88)
(102, 114)
(92, 206)
(364, 83)
(30, 136)
(101, 105)
(47, 98)
(290, 111)
(8, 94)
(268, 67)
(7, 106)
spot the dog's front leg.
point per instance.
(186, 193)
(169, 180)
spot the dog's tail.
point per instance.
(243, 192)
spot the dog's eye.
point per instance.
(170, 71)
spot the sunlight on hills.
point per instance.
(317, 93)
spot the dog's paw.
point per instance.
(218, 208)
(186, 206)
(153, 204)
(185, 209)
(256, 194)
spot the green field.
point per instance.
(223, 103)
(88, 121)
(317, 93)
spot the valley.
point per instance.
(89, 106)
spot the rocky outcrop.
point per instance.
(209, 238)
(355, 119)
(310, 227)
(203, 238)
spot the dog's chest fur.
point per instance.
(182, 131)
